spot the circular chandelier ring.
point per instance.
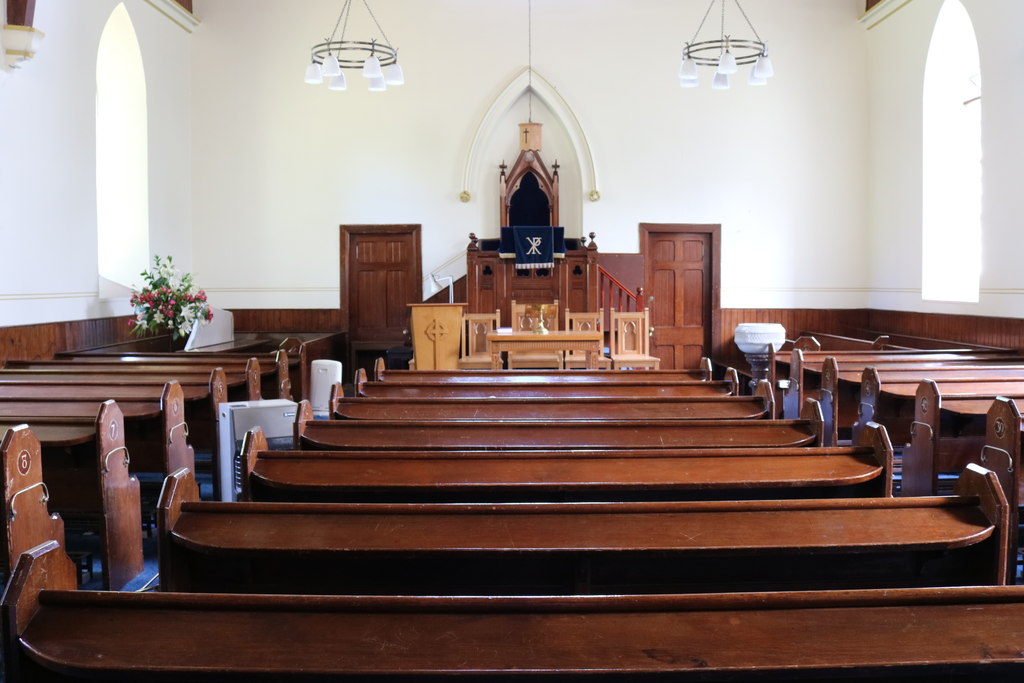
(384, 52)
(745, 51)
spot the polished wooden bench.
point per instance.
(273, 376)
(88, 480)
(155, 431)
(298, 354)
(948, 431)
(608, 434)
(889, 398)
(805, 367)
(609, 548)
(401, 476)
(55, 633)
(556, 409)
(381, 374)
(541, 388)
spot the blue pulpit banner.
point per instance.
(533, 246)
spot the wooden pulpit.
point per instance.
(436, 332)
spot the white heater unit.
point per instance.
(276, 417)
(323, 375)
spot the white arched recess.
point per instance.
(521, 85)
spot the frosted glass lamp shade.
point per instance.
(393, 74)
(727, 63)
(689, 82)
(763, 67)
(688, 70)
(753, 79)
(371, 68)
(337, 83)
(721, 82)
(330, 67)
(377, 84)
(313, 74)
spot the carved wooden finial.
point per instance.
(474, 243)
(593, 244)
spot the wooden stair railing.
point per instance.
(611, 293)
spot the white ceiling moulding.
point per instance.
(176, 13)
(882, 11)
(520, 85)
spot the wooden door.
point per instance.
(681, 275)
(380, 277)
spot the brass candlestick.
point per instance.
(540, 328)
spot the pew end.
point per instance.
(978, 481)
(876, 436)
(253, 443)
(27, 519)
(378, 369)
(763, 390)
(733, 379)
(179, 487)
(121, 501)
(359, 381)
(920, 463)
(811, 412)
(177, 452)
(828, 395)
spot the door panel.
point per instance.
(680, 276)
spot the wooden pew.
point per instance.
(948, 428)
(611, 434)
(298, 354)
(273, 376)
(88, 480)
(381, 374)
(805, 367)
(548, 408)
(155, 431)
(566, 548)
(56, 633)
(241, 385)
(201, 400)
(542, 388)
(27, 519)
(400, 476)
(889, 398)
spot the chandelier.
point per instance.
(726, 54)
(377, 59)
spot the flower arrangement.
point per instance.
(168, 301)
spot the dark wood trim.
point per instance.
(714, 232)
(21, 12)
(187, 4)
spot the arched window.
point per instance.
(122, 160)
(951, 179)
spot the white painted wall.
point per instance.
(897, 48)
(279, 164)
(815, 178)
(48, 160)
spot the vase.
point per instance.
(176, 344)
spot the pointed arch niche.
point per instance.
(498, 129)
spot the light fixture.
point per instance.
(19, 40)
(376, 57)
(725, 53)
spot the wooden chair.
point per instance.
(631, 341)
(525, 318)
(584, 322)
(476, 352)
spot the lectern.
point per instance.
(436, 330)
